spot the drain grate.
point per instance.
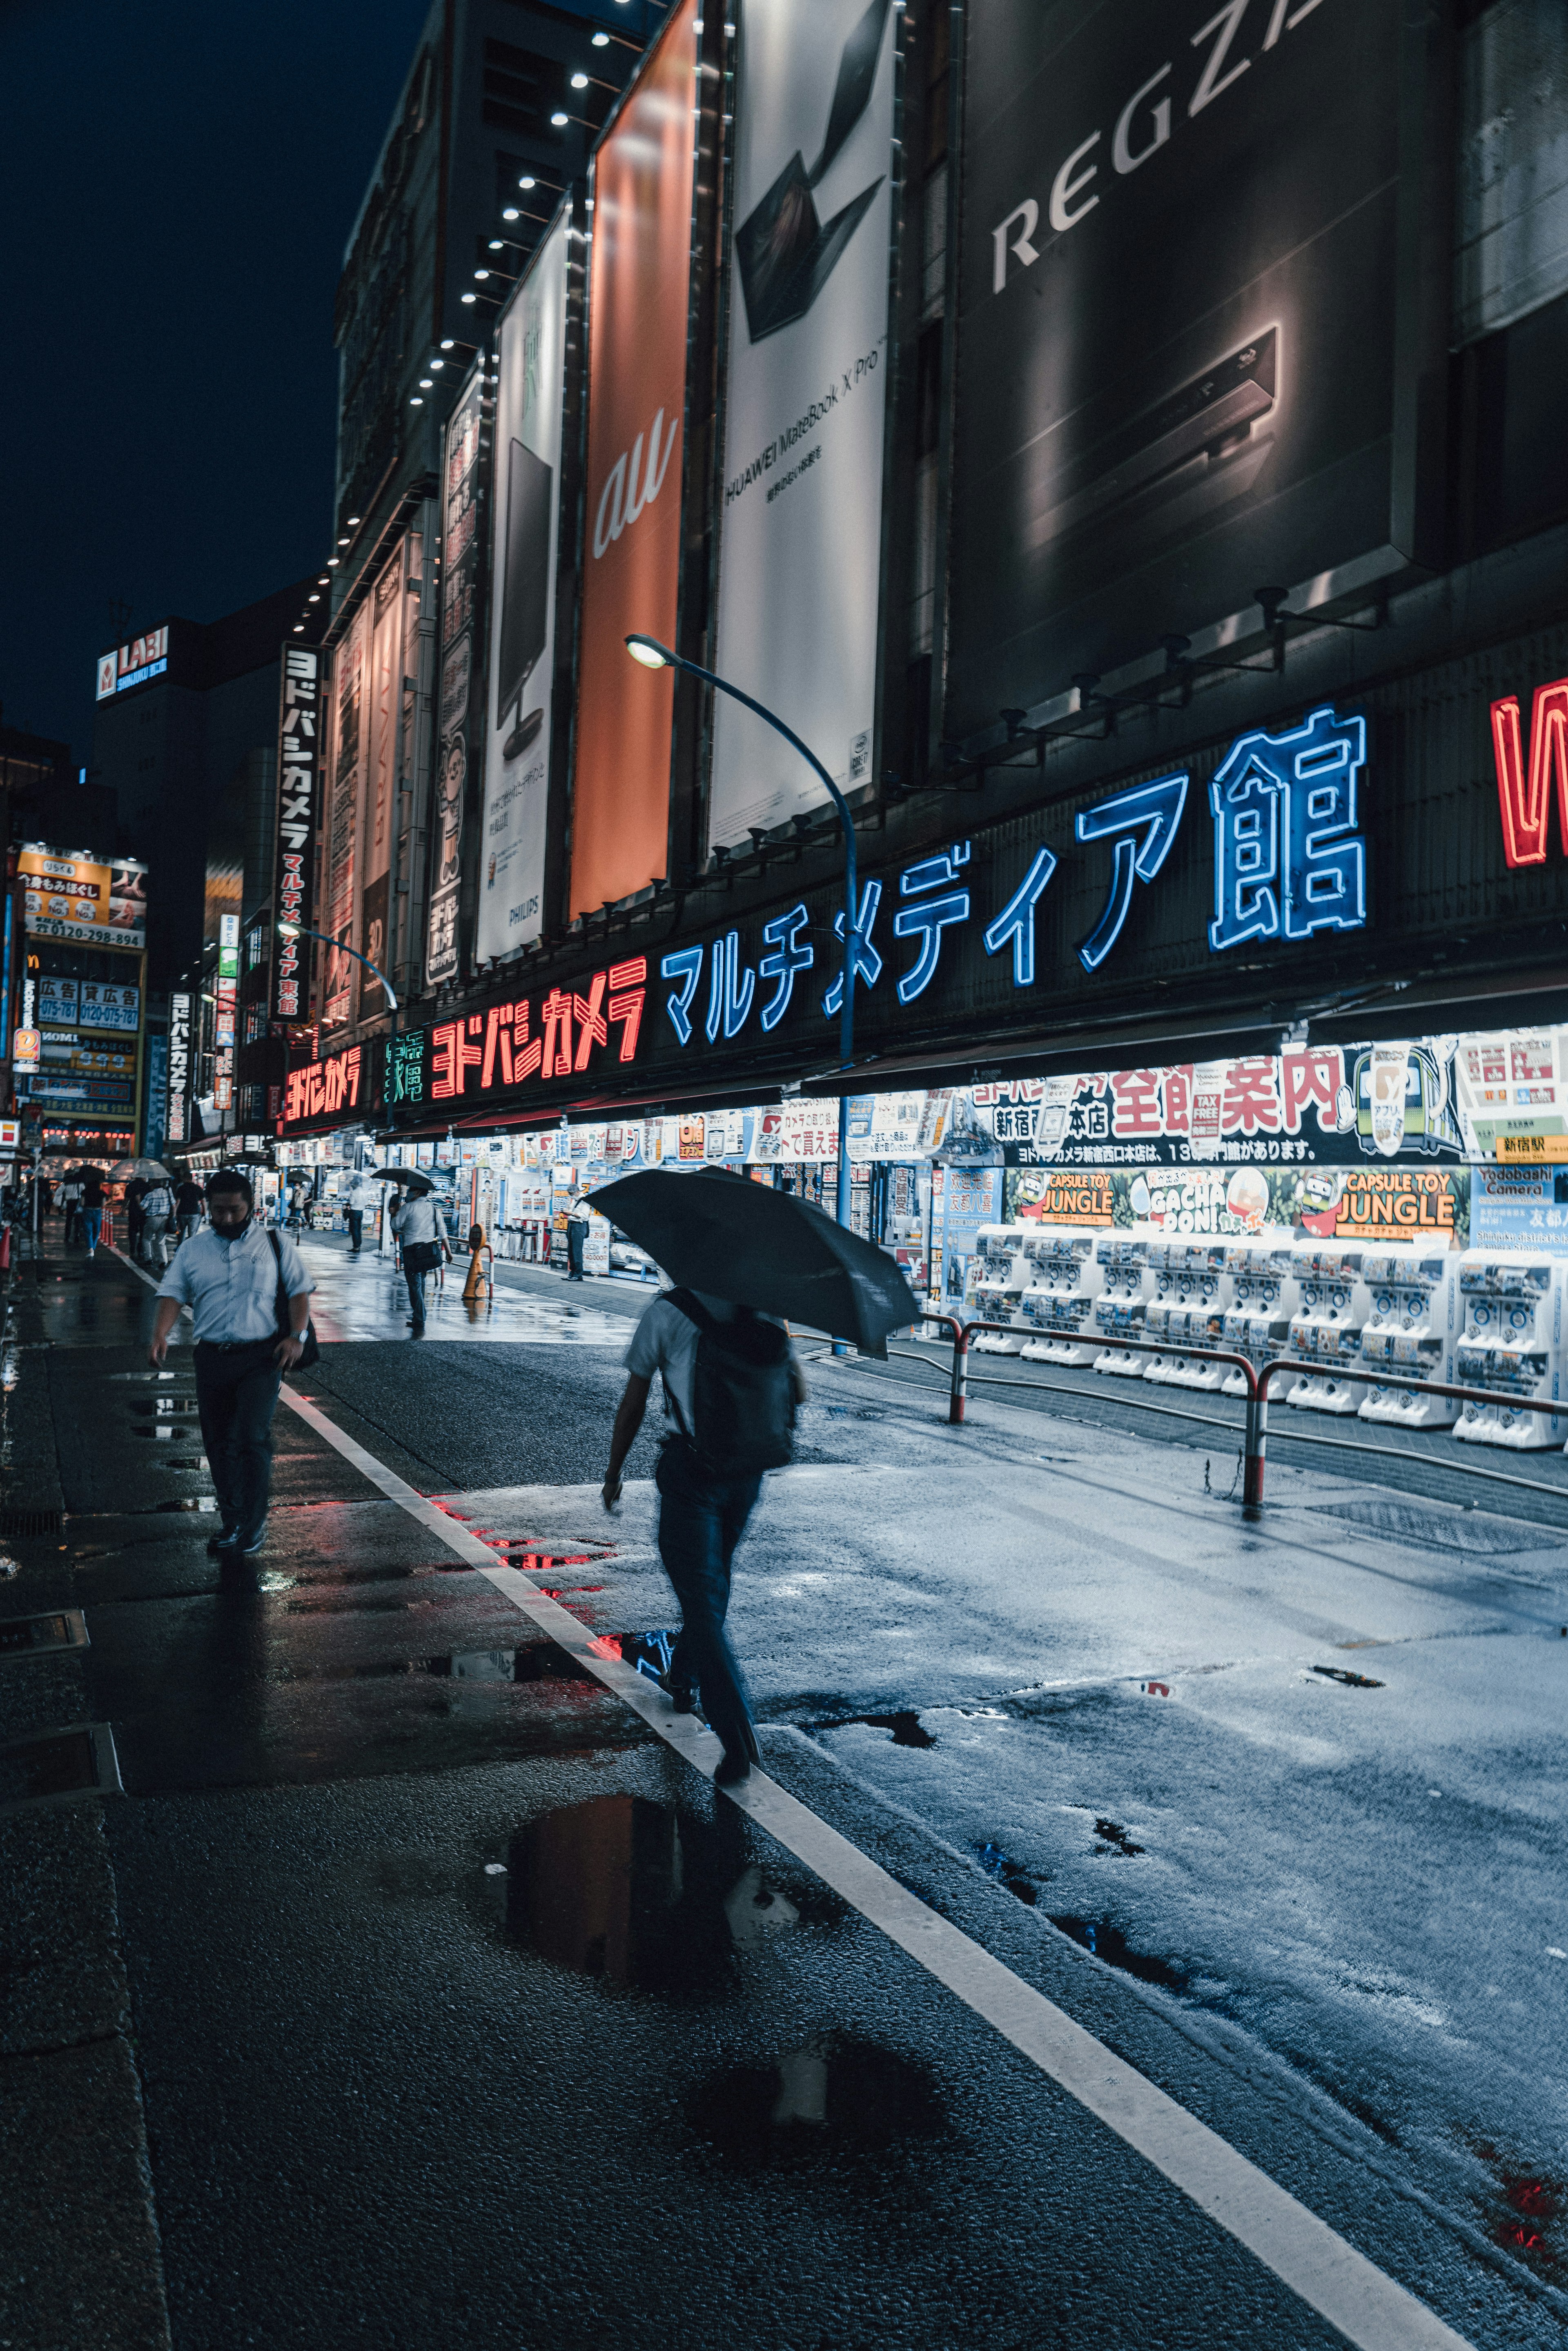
(16, 1525)
(59, 1768)
(32, 1636)
(1461, 1532)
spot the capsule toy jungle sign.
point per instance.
(1371, 1204)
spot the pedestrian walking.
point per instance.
(234, 1277)
(157, 1208)
(93, 1197)
(576, 1236)
(362, 1196)
(731, 1386)
(421, 1229)
(70, 1207)
(135, 1193)
(188, 1205)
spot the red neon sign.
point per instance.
(324, 1087)
(1524, 798)
(480, 1050)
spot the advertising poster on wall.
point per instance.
(529, 396)
(639, 290)
(1520, 1209)
(805, 403)
(1186, 336)
(962, 1200)
(1330, 1105)
(460, 711)
(1373, 1204)
(343, 821)
(66, 897)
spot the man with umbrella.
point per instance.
(731, 1384)
(421, 1229)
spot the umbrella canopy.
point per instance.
(410, 1178)
(759, 1248)
(124, 1170)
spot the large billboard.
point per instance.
(529, 395)
(68, 896)
(464, 482)
(343, 821)
(639, 290)
(806, 399)
(1188, 326)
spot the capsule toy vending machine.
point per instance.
(1325, 1329)
(1264, 1295)
(1120, 1308)
(997, 1274)
(1413, 1332)
(1512, 1344)
(1063, 1283)
(1187, 1309)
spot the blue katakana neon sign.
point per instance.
(927, 921)
(791, 953)
(1288, 859)
(1143, 822)
(868, 963)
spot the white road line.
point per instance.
(1341, 2284)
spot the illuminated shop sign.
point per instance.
(325, 1087)
(298, 793)
(179, 1063)
(564, 1033)
(1524, 790)
(133, 665)
(1289, 862)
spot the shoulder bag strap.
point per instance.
(281, 1303)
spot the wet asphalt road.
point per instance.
(464, 2010)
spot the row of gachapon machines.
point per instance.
(1489, 1318)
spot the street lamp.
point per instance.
(300, 931)
(653, 655)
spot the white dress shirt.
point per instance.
(231, 1287)
(420, 1220)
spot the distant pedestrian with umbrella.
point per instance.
(421, 1229)
(731, 1386)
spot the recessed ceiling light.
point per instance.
(416, 402)
(511, 212)
(480, 276)
(579, 81)
(498, 244)
(313, 600)
(446, 342)
(559, 120)
(600, 41)
(528, 181)
(470, 297)
(436, 365)
(352, 521)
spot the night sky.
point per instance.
(177, 186)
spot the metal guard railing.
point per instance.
(1256, 1434)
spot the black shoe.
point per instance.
(682, 1695)
(734, 1766)
(222, 1540)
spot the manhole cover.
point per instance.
(1455, 1530)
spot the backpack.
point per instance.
(743, 1392)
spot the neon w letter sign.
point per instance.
(1523, 799)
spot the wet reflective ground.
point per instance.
(465, 2012)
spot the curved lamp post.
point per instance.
(653, 655)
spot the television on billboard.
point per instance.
(1193, 321)
(529, 395)
(806, 402)
(639, 292)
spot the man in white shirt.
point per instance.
(229, 1276)
(421, 1229)
(361, 1197)
(702, 1510)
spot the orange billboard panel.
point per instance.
(638, 286)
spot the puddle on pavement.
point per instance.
(534, 1661)
(1109, 1943)
(835, 2097)
(643, 1897)
(1006, 1871)
(906, 1725)
(1533, 2204)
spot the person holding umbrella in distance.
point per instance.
(731, 1386)
(421, 1229)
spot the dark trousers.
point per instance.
(575, 1237)
(356, 1228)
(236, 1395)
(701, 1520)
(415, 1277)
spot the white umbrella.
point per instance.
(124, 1169)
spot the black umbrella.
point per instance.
(410, 1178)
(759, 1248)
